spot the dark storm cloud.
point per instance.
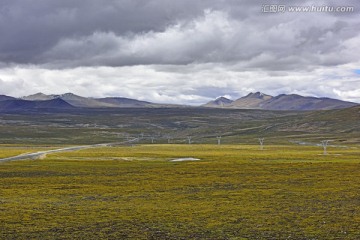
(29, 28)
(72, 33)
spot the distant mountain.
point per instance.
(23, 105)
(39, 97)
(4, 98)
(255, 100)
(219, 102)
(297, 102)
(84, 102)
(251, 101)
(293, 102)
(70, 98)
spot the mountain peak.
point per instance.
(38, 97)
(39, 94)
(251, 101)
(222, 99)
(219, 102)
(68, 94)
(258, 95)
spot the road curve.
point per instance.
(37, 155)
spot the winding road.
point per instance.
(37, 155)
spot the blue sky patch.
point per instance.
(357, 71)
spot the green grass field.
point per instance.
(233, 192)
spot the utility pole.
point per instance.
(218, 140)
(324, 144)
(261, 141)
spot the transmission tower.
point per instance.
(261, 141)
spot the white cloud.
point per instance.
(196, 84)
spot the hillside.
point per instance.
(94, 125)
(4, 98)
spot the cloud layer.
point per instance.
(178, 52)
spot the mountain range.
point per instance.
(83, 102)
(255, 100)
(293, 102)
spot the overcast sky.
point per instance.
(186, 51)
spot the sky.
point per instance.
(186, 51)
